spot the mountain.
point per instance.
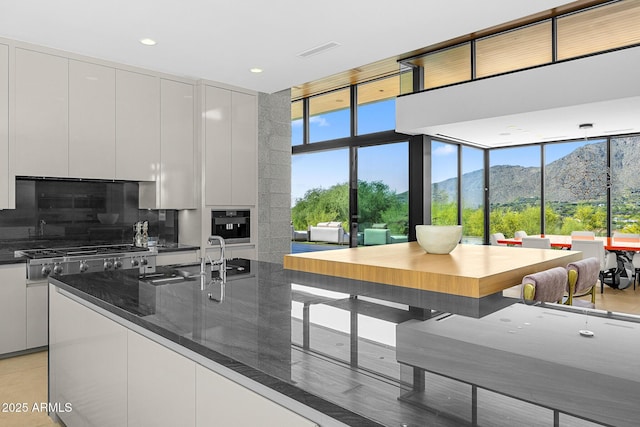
(580, 175)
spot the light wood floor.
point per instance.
(23, 379)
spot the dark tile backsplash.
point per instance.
(57, 209)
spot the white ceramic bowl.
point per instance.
(438, 239)
(108, 218)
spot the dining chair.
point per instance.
(583, 235)
(595, 249)
(582, 279)
(536, 242)
(520, 234)
(630, 236)
(635, 261)
(545, 286)
(493, 239)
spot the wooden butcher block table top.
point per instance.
(469, 270)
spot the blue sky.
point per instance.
(387, 163)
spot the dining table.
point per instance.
(564, 241)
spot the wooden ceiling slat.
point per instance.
(514, 50)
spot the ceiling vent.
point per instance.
(318, 49)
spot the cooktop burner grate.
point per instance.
(81, 251)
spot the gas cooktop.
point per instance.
(81, 251)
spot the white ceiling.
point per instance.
(541, 104)
(612, 117)
(221, 40)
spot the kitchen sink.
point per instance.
(189, 273)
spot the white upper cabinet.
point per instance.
(4, 126)
(92, 120)
(217, 149)
(137, 126)
(230, 147)
(177, 182)
(244, 145)
(41, 114)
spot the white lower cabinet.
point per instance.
(13, 310)
(161, 385)
(104, 374)
(88, 365)
(37, 315)
(222, 402)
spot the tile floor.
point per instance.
(23, 379)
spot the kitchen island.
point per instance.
(270, 347)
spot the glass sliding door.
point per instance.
(383, 194)
(576, 187)
(444, 187)
(514, 196)
(320, 200)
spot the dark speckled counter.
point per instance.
(261, 330)
(325, 342)
(175, 247)
(10, 258)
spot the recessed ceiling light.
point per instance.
(148, 42)
(256, 70)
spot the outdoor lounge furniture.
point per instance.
(299, 235)
(377, 234)
(331, 232)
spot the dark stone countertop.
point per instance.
(8, 247)
(286, 330)
(7, 257)
(175, 247)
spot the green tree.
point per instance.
(322, 205)
(377, 203)
(473, 222)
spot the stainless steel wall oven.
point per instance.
(232, 225)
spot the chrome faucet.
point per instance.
(222, 261)
(222, 269)
(43, 223)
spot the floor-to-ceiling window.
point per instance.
(444, 187)
(575, 187)
(514, 190)
(472, 197)
(320, 189)
(349, 166)
(625, 184)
